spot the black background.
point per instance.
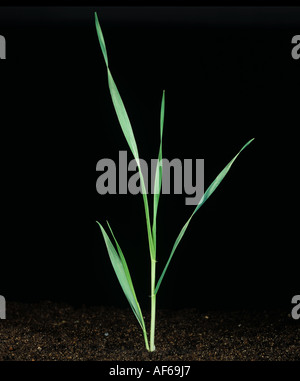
(228, 75)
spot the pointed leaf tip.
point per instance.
(101, 39)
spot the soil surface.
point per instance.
(49, 331)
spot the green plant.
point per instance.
(116, 255)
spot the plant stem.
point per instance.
(153, 305)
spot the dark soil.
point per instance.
(49, 331)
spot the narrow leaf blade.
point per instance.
(178, 239)
(116, 98)
(122, 116)
(159, 171)
(101, 39)
(124, 263)
(127, 130)
(213, 186)
(122, 277)
(217, 181)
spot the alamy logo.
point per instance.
(2, 307)
(296, 310)
(296, 49)
(182, 177)
(2, 48)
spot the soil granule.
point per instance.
(51, 331)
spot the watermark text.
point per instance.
(2, 48)
(2, 307)
(296, 310)
(185, 180)
(296, 49)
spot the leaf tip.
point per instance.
(100, 226)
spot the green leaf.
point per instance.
(116, 98)
(178, 239)
(101, 39)
(121, 255)
(213, 186)
(122, 116)
(127, 131)
(158, 172)
(122, 272)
